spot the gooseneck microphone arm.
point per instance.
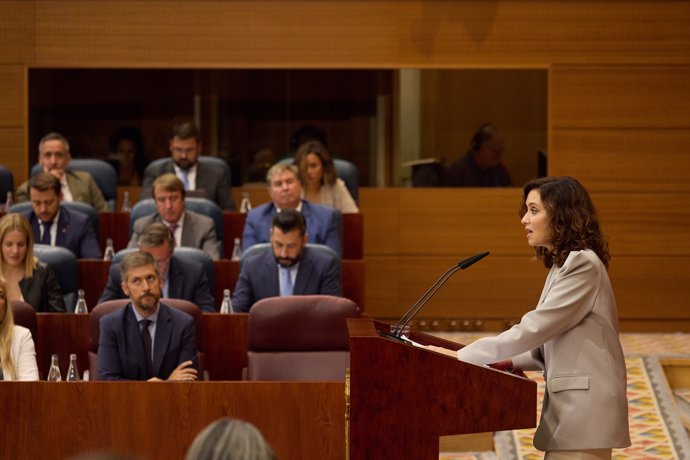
(409, 314)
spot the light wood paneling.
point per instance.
(16, 31)
(619, 160)
(13, 153)
(628, 97)
(361, 33)
(463, 222)
(13, 95)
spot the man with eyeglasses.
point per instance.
(285, 191)
(179, 278)
(189, 229)
(54, 155)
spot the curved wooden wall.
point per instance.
(618, 120)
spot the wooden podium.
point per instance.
(403, 398)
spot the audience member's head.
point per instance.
(45, 195)
(284, 186)
(157, 240)
(230, 439)
(141, 281)
(307, 133)
(168, 193)
(288, 236)
(54, 154)
(127, 145)
(185, 144)
(17, 242)
(315, 165)
(487, 146)
(6, 330)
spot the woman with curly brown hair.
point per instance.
(572, 334)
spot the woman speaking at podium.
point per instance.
(572, 334)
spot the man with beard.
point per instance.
(185, 148)
(287, 267)
(146, 340)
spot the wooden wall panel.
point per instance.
(16, 31)
(628, 97)
(618, 160)
(12, 155)
(13, 95)
(361, 33)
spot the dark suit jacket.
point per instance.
(212, 180)
(318, 273)
(121, 351)
(198, 231)
(186, 280)
(42, 291)
(75, 232)
(323, 225)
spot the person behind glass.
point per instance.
(146, 340)
(572, 334)
(54, 156)
(287, 267)
(180, 278)
(190, 229)
(128, 150)
(321, 182)
(482, 165)
(56, 225)
(185, 149)
(230, 439)
(27, 279)
(285, 191)
(17, 352)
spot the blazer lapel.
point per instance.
(162, 339)
(304, 274)
(271, 275)
(188, 231)
(61, 239)
(175, 280)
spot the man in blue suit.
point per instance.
(56, 225)
(287, 267)
(285, 190)
(146, 340)
(180, 278)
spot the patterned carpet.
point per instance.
(655, 422)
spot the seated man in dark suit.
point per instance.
(190, 229)
(285, 190)
(185, 148)
(56, 225)
(146, 340)
(180, 278)
(288, 267)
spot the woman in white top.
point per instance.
(320, 181)
(17, 353)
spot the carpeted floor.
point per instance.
(656, 428)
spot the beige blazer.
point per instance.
(23, 355)
(572, 336)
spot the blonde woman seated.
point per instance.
(17, 353)
(320, 180)
(27, 279)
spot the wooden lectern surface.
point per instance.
(44, 420)
(402, 397)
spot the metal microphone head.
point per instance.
(469, 261)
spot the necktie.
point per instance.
(285, 282)
(184, 178)
(172, 228)
(45, 238)
(146, 340)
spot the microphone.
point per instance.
(409, 314)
